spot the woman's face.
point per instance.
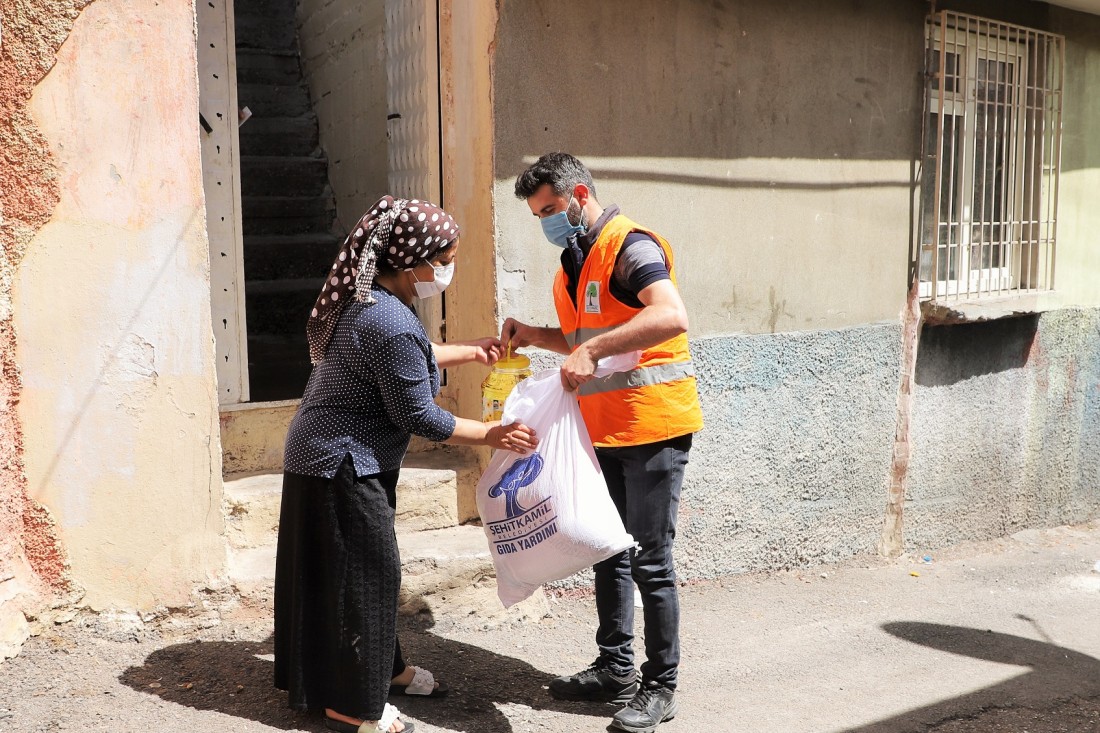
(424, 271)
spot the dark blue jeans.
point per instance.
(644, 482)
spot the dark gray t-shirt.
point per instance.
(640, 263)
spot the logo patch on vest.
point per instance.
(592, 297)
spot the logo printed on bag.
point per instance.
(523, 528)
(521, 473)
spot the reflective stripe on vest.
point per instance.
(578, 337)
(640, 377)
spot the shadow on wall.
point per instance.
(954, 353)
(736, 79)
(718, 80)
(1060, 685)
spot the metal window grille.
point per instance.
(991, 151)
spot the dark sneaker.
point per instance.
(597, 684)
(651, 706)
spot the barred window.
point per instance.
(992, 143)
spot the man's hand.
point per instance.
(579, 367)
(520, 335)
(517, 334)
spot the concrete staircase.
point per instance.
(287, 205)
(447, 570)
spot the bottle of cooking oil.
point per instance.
(507, 373)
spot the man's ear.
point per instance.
(581, 194)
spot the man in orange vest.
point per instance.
(616, 293)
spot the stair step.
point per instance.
(426, 499)
(255, 29)
(272, 8)
(278, 364)
(285, 207)
(279, 307)
(263, 175)
(258, 66)
(274, 100)
(267, 136)
(289, 256)
(445, 572)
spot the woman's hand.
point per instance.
(487, 350)
(516, 437)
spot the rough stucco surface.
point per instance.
(1006, 428)
(118, 405)
(30, 553)
(792, 465)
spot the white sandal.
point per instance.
(422, 685)
(389, 716)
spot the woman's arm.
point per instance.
(403, 382)
(484, 350)
(515, 437)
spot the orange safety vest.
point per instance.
(656, 400)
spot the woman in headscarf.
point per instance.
(375, 376)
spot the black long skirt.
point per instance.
(337, 576)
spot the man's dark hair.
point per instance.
(561, 170)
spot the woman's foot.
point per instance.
(422, 683)
(344, 723)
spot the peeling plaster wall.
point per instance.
(111, 304)
(32, 559)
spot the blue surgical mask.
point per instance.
(558, 229)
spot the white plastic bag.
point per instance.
(546, 514)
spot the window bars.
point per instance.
(991, 151)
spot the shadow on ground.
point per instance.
(1060, 691)
(235, 678)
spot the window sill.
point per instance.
(949, 311)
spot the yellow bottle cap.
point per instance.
(513, 361)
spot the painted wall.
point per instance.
(1078, 261)
(344, 60)
(111, 304)
(785, 194)
(33, 563)
(780, 164)
(467, 37)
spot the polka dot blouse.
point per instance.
(373, 390)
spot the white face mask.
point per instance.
(443, 275)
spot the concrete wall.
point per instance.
(111, 304)
(344, 61)
(780, 162)
(1006, 426)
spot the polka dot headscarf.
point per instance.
(401, 232)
